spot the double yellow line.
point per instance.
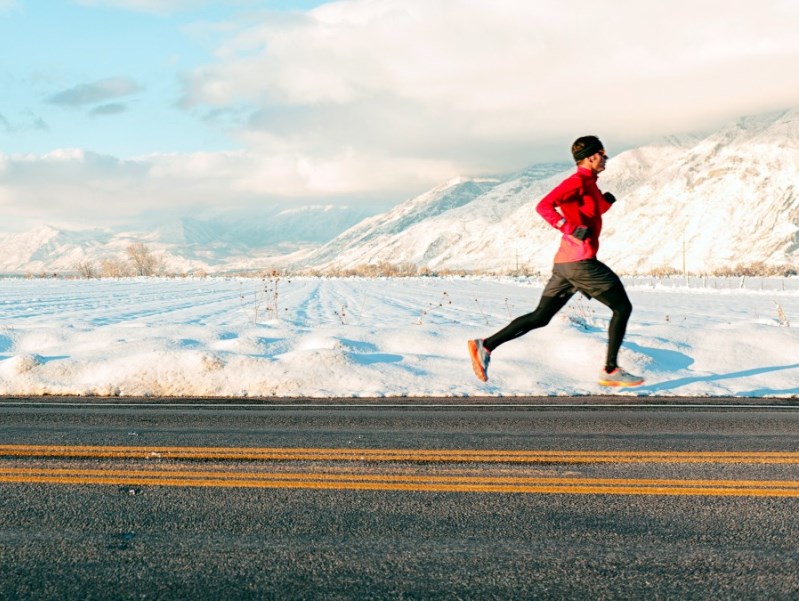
(401, 482)
(361, 478)
(404, 455)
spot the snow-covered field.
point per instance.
(309, 337)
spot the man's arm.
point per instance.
(550, 209)
(609, 200)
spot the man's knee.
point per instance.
(624, 308)
(616, 300)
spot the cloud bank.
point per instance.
(361, 100)
(479, 83)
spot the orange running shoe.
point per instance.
(481, 357)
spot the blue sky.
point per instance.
(113, 109)
(61, 47)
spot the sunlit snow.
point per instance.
(316, 337)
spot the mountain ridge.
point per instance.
(685, 203)
(691, 202)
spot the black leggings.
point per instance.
(615, 299)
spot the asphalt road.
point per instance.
(539, 498)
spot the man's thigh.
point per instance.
(591, 277)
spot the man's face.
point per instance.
(596, 162)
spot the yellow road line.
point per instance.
(412, 455)
(356, 476)
(164, 476)
(401, 482)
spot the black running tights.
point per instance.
(615, 299)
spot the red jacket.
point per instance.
(575, 202)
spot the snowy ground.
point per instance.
(385, 337)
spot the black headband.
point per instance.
(591, 149)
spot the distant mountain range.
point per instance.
(226, 241)
(695, 203)
(698, 203)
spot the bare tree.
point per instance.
(143, 260)
(113, 268)
(86, 269)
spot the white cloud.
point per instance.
(151, 6)
(96, 92)
(75, 188)
(69, 186)
(479, 83)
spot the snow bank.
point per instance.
(308, 337)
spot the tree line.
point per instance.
(139, 260)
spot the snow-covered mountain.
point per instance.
(704, 203)
(699, 202)
(385, 237)
(220, 241)
(730, 198)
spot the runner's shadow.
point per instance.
(672, 384)
(771, 392)
(664, 358)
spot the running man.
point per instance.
(574, 207)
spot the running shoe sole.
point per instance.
(616, 384)
(477, 365)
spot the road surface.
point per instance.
(411, 498)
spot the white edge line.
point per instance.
(403, 405)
